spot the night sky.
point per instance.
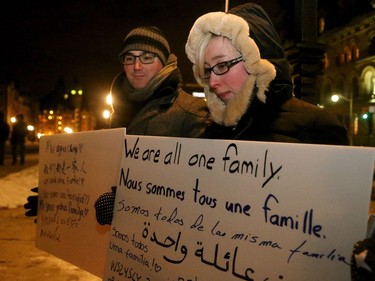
(77, 42)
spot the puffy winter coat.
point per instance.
(267, 109)
(170, 111)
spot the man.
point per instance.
(147, 95)
(147, 98)
(4, 135)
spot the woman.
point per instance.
(239, 60)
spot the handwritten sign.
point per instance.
(190, 209)
(74, 170)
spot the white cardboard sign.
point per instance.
(74, 170)
(193, 209)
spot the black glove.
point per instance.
(363, 260)
(31, 206)
(104, 207)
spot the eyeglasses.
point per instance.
(146, 58)
(221, 68)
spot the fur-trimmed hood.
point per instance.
(252, 33)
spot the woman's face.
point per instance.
(227, 85)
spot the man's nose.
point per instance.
(137, 63)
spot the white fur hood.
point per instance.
(261, 70)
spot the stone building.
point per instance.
(13, 103)
(348, 71)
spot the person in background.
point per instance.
(148, 99)
(4, 135)
(239, 60)
(18, 138)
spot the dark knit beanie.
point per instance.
(149, 39)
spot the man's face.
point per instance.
(138, 73)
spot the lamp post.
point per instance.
(335, 98)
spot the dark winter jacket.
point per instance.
(168, 112)
(292, 121)
(265, 110)
(283, 118)
(4, 131)
(19, 132)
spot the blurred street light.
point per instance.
(108, 99)
(106, 114)
(107, 117)
(68, 130)
(336, 98)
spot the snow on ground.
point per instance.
(15, 187)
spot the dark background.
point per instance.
(47, 45)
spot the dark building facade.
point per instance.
(348, 71)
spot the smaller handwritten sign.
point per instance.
(190, 209)
(74, 170)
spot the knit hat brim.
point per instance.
(148, 39)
